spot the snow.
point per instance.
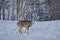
(43, 30)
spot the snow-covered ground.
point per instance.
(45, 30)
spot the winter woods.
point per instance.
(27, 10)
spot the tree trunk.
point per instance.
(0, 13)
(18, 8)
(3, 14)
(8, 13)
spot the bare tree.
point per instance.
(0, 13)
(3, 6)
(18, 8)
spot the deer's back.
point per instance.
(24, 23)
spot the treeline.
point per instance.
(26, 10)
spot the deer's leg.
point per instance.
(20, 30)
(27, 30)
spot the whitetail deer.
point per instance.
(24, 23)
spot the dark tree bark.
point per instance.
(0, 13)
(3, 14)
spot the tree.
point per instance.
(0, 12)
(18, 8)
(3, 7)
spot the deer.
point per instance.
(26, 24)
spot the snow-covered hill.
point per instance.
(48, 30)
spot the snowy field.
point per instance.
(48, 30)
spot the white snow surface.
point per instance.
(42, 30)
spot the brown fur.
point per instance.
(24, 23)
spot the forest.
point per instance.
(39, 10)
